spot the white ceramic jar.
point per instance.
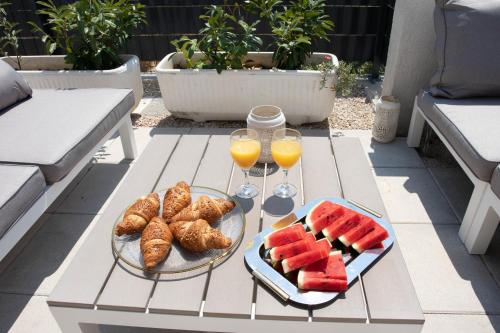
(386, 119)
(265, 119)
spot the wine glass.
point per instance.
(286, 150)
(245, 151)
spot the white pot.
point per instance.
(203, 94)
(386, 119)
(265, 119)
(51, 72)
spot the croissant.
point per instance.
(139, 214)
(205, 208)
(198, 236)
(156, 241)
(176, 199)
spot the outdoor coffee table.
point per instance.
(97, 288)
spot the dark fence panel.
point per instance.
(362, 27)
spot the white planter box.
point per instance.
(51, 72)
(206, 95)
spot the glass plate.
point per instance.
(179, 260)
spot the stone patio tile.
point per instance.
(445, 276)
(22, 314)
(98, 185)
(456, 187)
(113, 152)
(41, 263)
(448, 323)
(492, 256)
(395, 154)
(411, 196)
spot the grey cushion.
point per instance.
(471, 126)
(495, 181)
(21, 186)
(467, 48)
(56, 128)
(13, 87)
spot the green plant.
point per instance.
(326, 68)
(296, 28)
(223, 46)
(346, 78)
(90, 32)
(9, 36)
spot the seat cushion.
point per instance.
(55, 129)
(471, 126)
(13, 87)
(21, 186)
(467, 48)
(495, 181)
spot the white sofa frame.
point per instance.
(483, 211)
(51, 192)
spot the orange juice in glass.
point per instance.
(245, 150)
(286, 150)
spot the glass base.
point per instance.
(285, 190)
(247, 191)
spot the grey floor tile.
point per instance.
(113, 152)
(92, 192)
(395, 154)
(22, 314)
(456, 186)
(41, 263)
(411, 196)
(445, 276)
(492, 256)
(448, 323)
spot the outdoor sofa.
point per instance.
(46, 138)
(462, 105)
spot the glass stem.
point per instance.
(247, 180)
(285, 177)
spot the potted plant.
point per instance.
(90, 34)
(218, 77)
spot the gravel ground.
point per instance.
(352, 112)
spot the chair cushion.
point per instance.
(13, 87)
(471, 126)
(55, 129)
(467, 48)
(495, 181)
(21, 186)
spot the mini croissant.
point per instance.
(198, 236)
(205, 208)
(156, 241)
(139, 214)
(176, 199)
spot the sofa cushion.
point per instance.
(21, 186)
(56, 128)
(13, 87)
(495, 181)
(471, 126)
(467, 48)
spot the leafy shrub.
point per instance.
(223, 46)
(90, 32)
(9, 36)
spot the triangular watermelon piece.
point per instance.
(371, 239)
(332, 267)
(293, 249)
(322, 215)
(341, 225)
(321, 284)
(366, 225)
(284, 236)
(320, 251)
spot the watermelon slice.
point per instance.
(292, 249)
(284, 236)
(321, 250)
(341, 225)
(322, 284)
(366, 225)
(322, 215)
(371, 239)
(332, 267)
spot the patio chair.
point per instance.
(462, 106)
(46, 138)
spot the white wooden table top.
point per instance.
(329, 167)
